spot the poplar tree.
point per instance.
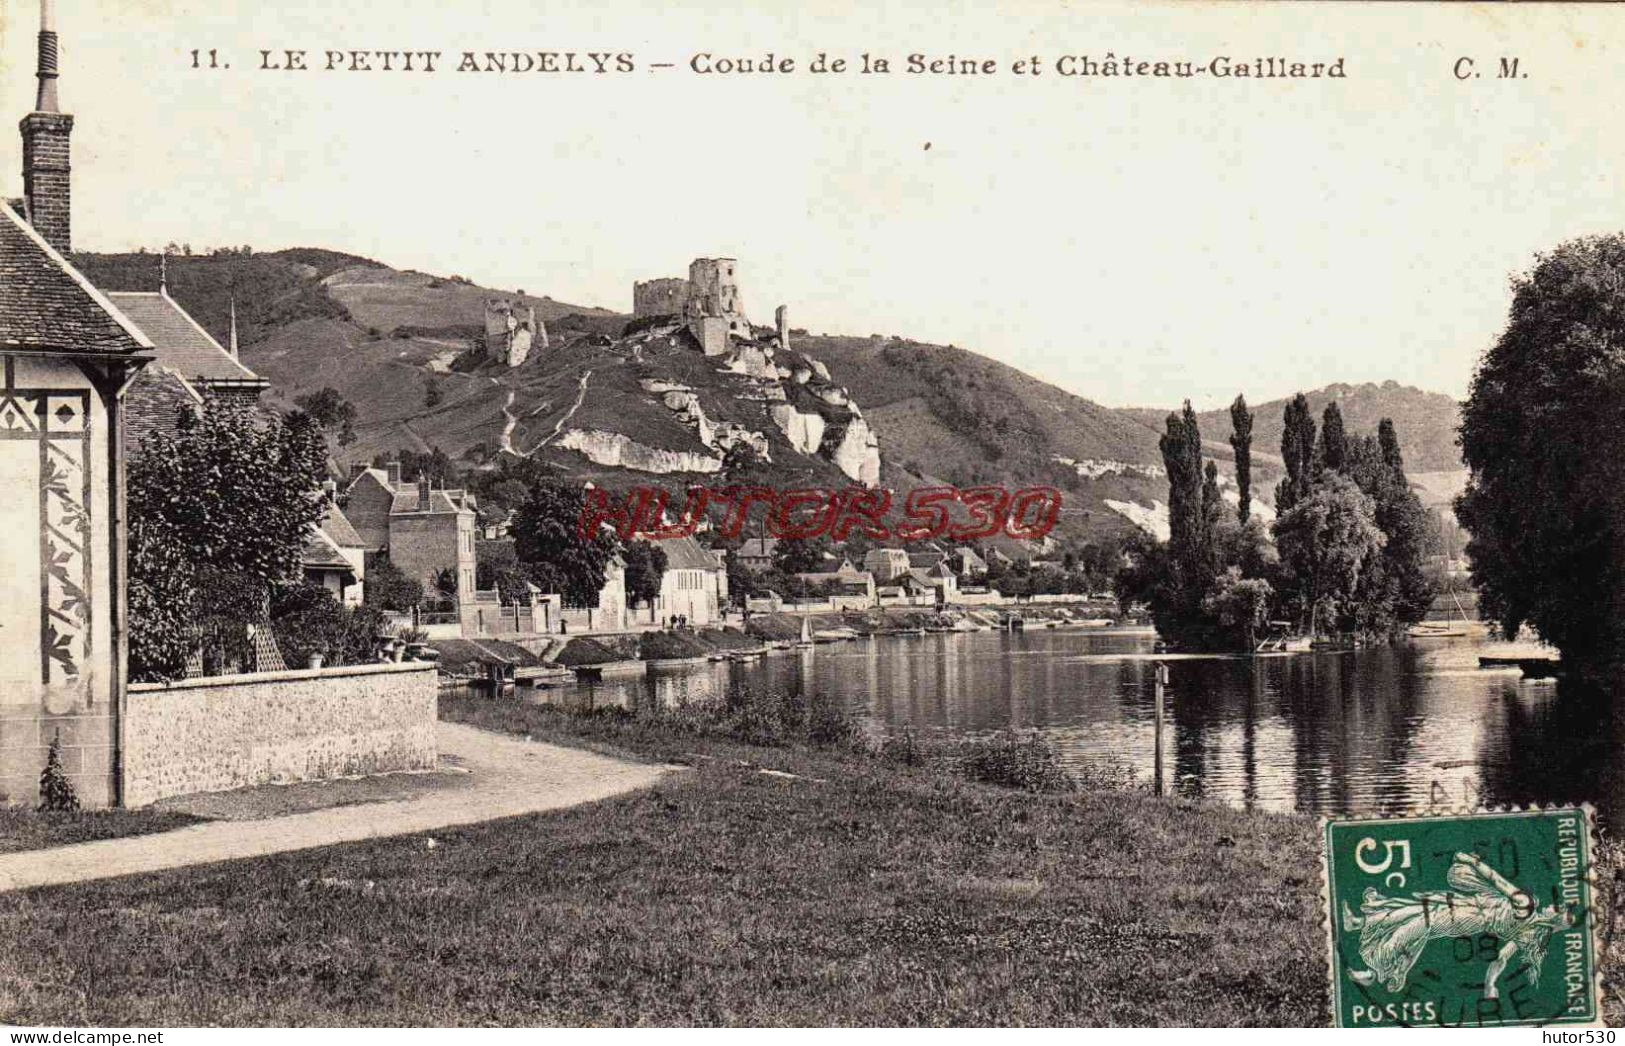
(1182, 456)
(1298, 451)
(1334, 444)
(1241, 442)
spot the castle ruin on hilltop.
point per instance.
(708, 302)
(512, 331)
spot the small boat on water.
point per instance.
(806, 633)
(1531, 667)
(746, 655)
(834, 635)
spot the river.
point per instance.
(1385, 730)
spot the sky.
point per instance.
(1136, 241)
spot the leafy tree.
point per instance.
(1241, 442)
(1298, 451)
(645, 566)
(330, 409)
(1398, 589)
(433, 463)
(1181, 447)
(800, 556)
(1240, 607)
(498, 568)
(388, 588)
(307, 619)
(1326, 542)
(1212, 512)
(548, 541)
(228, 493)
(1545, 502)
(1388, 443)
(1333, 451)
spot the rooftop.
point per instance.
(47, 306)
(179, 341)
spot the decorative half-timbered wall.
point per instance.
(56, 657)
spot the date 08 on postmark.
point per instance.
(1469, 920)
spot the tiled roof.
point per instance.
(406, 500)
(46, 305)
(154, 401)
(336, 526)
(758, 548)
(687, 554)
(177, 339)
(320, 553)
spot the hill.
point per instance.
(1425, 421)
(622, 402)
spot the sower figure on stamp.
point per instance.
(1395, 930)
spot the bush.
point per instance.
(904, 747)
(1010, 760)
(388, 588)
(56, 793)
(306, 619)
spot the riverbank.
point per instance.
(795, 881)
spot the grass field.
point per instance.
(833, 889)
(22, 828)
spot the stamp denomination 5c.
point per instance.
(1483, 919)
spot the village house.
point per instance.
(335, 557)
(421, 530)
(694, 586)
(940, 579)
(66, 351)
(886, 564)
(756, 554)
(68, 355)
(848, 586)
(154, 401)
(180, 344)
(966, 561)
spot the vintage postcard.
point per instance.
(1059, 513)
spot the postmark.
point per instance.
(1485, 919)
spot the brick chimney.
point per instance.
(423, 493)
(392, 469)
(45, 132)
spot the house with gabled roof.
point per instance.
(66, 354)
(423, 530)
(181, 344)
(335, 557)
(694, 586)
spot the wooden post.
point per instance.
(1162, 681)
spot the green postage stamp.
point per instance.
(1466, 920)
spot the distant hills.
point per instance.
(1425, 421)
(405, 348)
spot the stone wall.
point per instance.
(213, 734)
(662, 297)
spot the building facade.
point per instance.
(66, 351)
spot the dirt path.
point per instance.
(511, 777)
(581, 397)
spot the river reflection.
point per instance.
(1380, 731)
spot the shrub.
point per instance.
(306, 619)
(1010, 760)
(904, 747)
(56, 793)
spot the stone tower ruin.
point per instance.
(512, 331)
(708, 302)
